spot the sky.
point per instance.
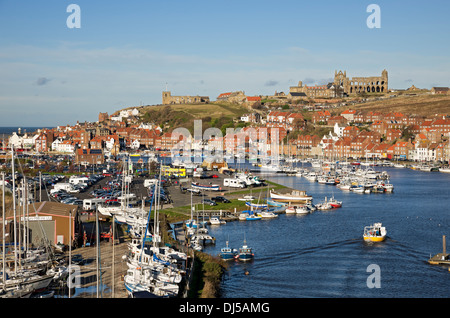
(125, 53)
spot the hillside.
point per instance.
(422, 105)
(183, 115)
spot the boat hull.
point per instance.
(374, 238)
(245, 257)
(227, 256)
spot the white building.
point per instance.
(339, 131)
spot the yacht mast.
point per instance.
(3, 231)
(14, 208)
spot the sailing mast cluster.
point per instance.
(152, 267)
(26, 270)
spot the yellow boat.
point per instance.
(374, 233)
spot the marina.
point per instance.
(291, 233)
(323, 253)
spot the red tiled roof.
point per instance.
(224, 95)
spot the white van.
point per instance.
(91, 204)
(77, 180)
(63, 186)
(234, 183)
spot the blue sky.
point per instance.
(126, 51)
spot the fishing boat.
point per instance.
(227, 253)
(295, 196)
(208, 187)
(335, 203)
(374, 233)
(245, 253)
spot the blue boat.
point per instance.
(255, 205)
(227, 253)
(245, 253)
(252, 217)
(275, 203)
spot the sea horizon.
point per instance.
(8, 130)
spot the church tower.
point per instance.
(166, 97)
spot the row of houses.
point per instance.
(351, 142)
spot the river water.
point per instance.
(323, 254)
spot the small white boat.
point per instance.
(344, 186)
(324, 206)
(312, 176)
(302, 210)
(321, 180)
(290, 210)
(247, 198)
(357, 189)
(216, 221)
(266, 215)
(389, 187)
(446, 170)
(243, 216)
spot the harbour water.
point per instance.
(323, 254)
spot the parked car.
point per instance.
(208, 202)
(220, 199)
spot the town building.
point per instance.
(89, 156)
(46, 221)
(440, 90)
